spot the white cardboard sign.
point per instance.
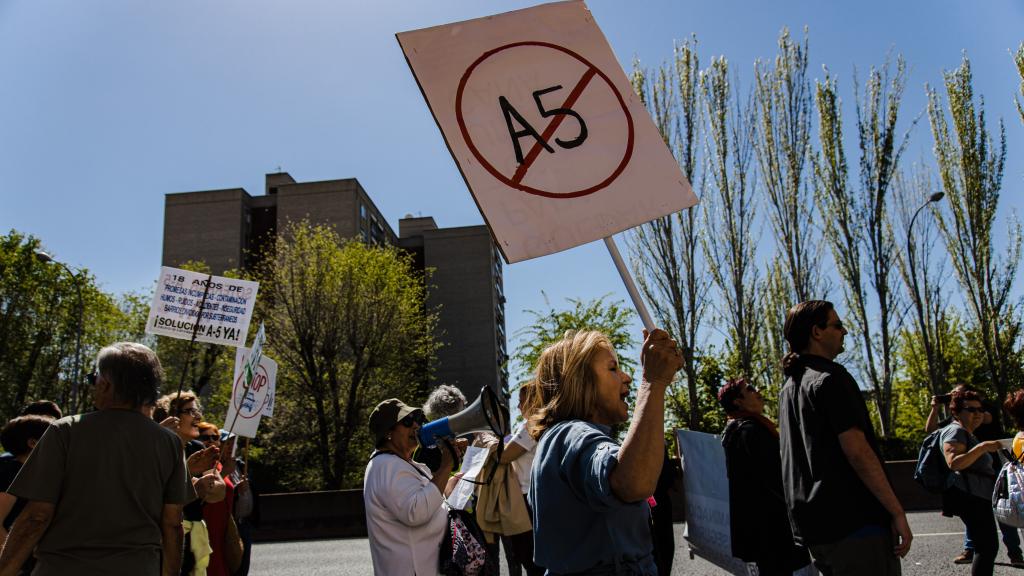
(258, 401)
(552, 141)
(227, 309)
(706, 483)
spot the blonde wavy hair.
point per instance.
(564, 386)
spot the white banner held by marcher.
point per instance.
(472, 462)
(227, 310)
(706, 484)
(552, 141)
(247, 407)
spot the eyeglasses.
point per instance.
(973, 409)
(194, 412)
(209, 437)
(838, 325)
(411, 419)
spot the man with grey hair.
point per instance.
(104, 489)
(444, 401)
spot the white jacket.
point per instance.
(406, 517)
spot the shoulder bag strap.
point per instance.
(416, 468)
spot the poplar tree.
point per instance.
(927, 295)
(782, 145)
(971, 166)
(856, 219)
(1018, 59)
(730, 210)
(671, 272)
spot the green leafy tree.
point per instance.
(550, 325)
(971, 169)
(348, 325)
(41, 304)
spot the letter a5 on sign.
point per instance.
(554, 145)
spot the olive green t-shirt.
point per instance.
(109, 473)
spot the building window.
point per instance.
(362, 211)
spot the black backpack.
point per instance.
(932, 472)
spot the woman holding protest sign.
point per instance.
(406, 513)
(589, 495)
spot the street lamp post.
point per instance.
(918, 303)
(76, 375)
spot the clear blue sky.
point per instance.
(107, 105)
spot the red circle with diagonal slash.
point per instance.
(517, 184)
(260, 370)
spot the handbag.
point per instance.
(462, 546)
(234, 548)
(1008, 495)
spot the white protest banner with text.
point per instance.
(247, 407)
(552, 141)
(227, 309)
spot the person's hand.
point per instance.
(901, 535)
(205, 483)
(935, 402)
(452, 482)
(203, 460)
(227, 448)
(227, 466)
(460, 445)
(242, 487)
(661, 357)
(171, 423)
(990, 445)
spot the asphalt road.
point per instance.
(936, 541)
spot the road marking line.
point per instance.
(940, 534)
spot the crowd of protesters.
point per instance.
(810, 489)
(140, 486)
(144, 486)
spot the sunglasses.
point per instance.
(411, 419)
(91, 378)
(972, 409)
(838, 325)
(209, 437)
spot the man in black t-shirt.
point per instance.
(841, 504)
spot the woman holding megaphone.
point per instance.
(406, 514)
(588, 493)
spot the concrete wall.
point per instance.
(309, 515)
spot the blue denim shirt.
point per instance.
(579, 525)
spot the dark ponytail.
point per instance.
(791, 364)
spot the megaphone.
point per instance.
(485, 414)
